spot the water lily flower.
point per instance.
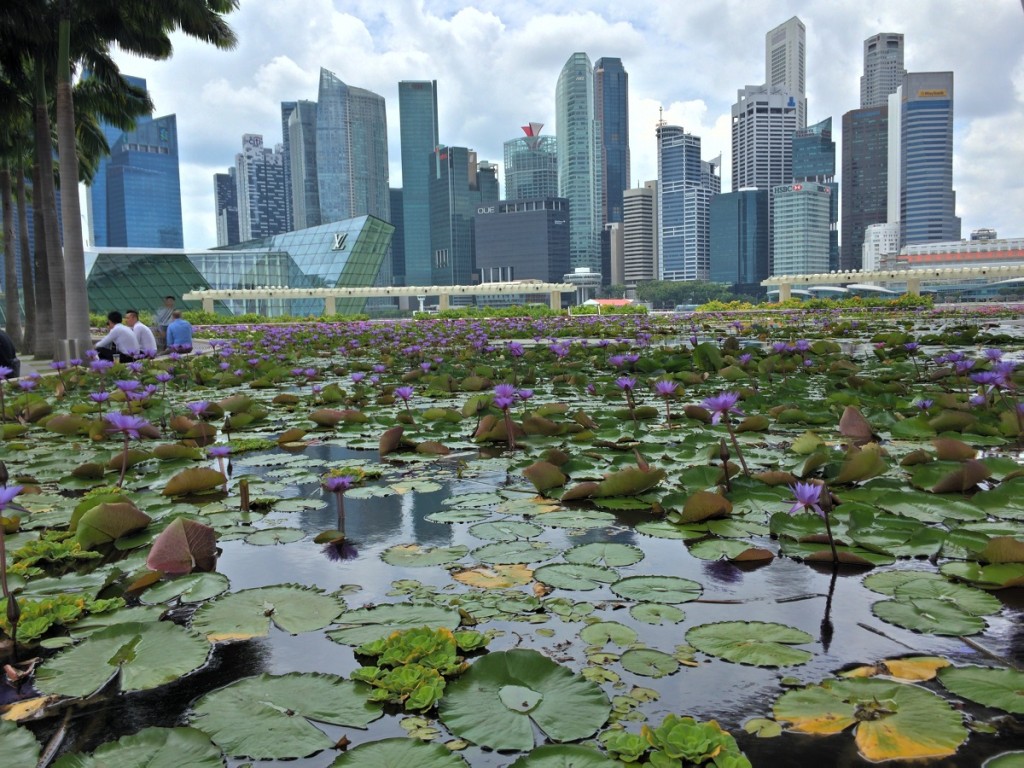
(516, 349)
(721, 405)
(808, 497)
(924, 404)
(198, 407)
(626, 383)
(339, 483)
(126, 424)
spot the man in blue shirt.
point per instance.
(179, 333)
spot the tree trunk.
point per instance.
(46, 208)
(77, 300)
(12, 307)
(42, 344)
(27, 282)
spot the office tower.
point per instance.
(800, 243)
(640, 233)
(302, 162)
(785, 63)
(417, 113)
(883, 68)
(225, 200)
(259, 174)
(531, 165)
(351, 151)
(458, 187)
(814, 160)
(740, 254)
(881, 242)
(864, 178)
(611, 110)
(927, 199)
(686, 185)
(287, 107)
(579, 155)
(135, 197)
(398, 238)
(764, 119)
(522, 240)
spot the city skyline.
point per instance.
(494, 70)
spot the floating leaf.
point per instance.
(270, 536)
(250, 612)
(999, 688)
(600, 633)
(649, 662)
(544, 475)
(575, 576)
(364, 625)
(506, 530)
(182, 547)
(1003, 549)
(703, 505)
(151, 748)
(852, 424)
(20, 747)
(628, 482)
(657, 589)
(268, 717)
(520, 551)
(998, 576)
(936, 617)
(861, 464)
(193, 588)
(194, 480)
(656, 613)
(565, 756)
(400, 752)
(569, 708)
(611, 554)
(762, 644)
(498, 577)
(145, 656)
(109, 521)
(951, 449)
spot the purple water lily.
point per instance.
(808, 497)
(721, 405)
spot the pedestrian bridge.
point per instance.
(420, 292)
(912, 277)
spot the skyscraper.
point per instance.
(579, 154)
(883, 68)
(814, 160)
(686, 185)
(531, 165)
(800, 243)
(740, 254)
(135, 197)
(927, 199)
(287, 107)
(611, 110)
(785, 63)
(225, 200)
(351, 151)
(764, 119)
(864, 178)
(417, 108)
(640, 233)
(302, 160)
(259, 174)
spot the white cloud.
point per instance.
(497, 63)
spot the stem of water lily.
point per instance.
(736, 447)
(124, 461)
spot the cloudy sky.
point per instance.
(496, 65)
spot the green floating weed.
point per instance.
(38, 616)
(677, 739)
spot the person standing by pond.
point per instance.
(179, 333)
(162, 319)
(119, 340)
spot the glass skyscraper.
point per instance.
(459, 186)
(686, 185)
(531, 165)
(739, 240)
(611, 110)
(259, 173)
(302, 158)
(287, 107)
(801, 228)
(135, 197)
(225, 200)
(579, 153)
(417, 114)
(814, 160)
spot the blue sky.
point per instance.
(497, 64)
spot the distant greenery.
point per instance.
(518, 310)
(666, 294)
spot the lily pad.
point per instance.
(577, 577)
(657, 589)
(143, 656)
(399, 752)
(571, 707)
(565, 756)
(364, 625)
(998, 576)
(151, 748)
(760, 643)
(656, 613)
(601, 633)
(268, 717)
(506, 530)
(609, 554)
(506, 552)
(250, 612)
(998, 688)
(19, 745)
(928, 615)
(183, 546)
(648, 662)
(270, 536)
(193, 588)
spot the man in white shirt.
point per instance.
(145, 337)
(119, 340)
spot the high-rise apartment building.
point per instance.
(225, 200)
(287, 108)
(640, 233)
(740, 254)
(927, 199)
(302, 163)
(800, 243)
(531, 165)
(417, 109)
(579, 160)
(686, 185)
(785, 63)
(259, 175)
(134, 199)
(883, 68)
(611, 110)
(458, 187)
(814, 160)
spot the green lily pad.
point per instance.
(657, 589)
(648, 662)
(415, 556)
(572, 707)
(19, 745)
(967, 599)
(572, 518)
(268, 717)
(565, 756)
(151, 748)
(893, 720)
(609, 554)
(399, 752)
(998, 576)
(601, 633)
(506, 530)
(269, 536)
(508, 552)
(656, 613)
(193, 588)
(250, 612)
(364, 625)
(1005, 760)
(145, 656)
(575, 576)
(998, 688)
(930, 616)
(887, 582)
(762, 644)
(716, 549)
